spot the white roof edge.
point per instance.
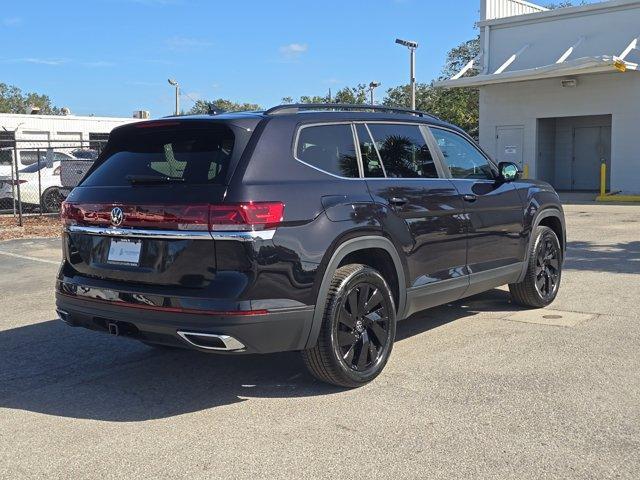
(561, 12)
(579, 66)
(67, 117)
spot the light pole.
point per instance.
(175, 84)
(372, 87)
(412, 67)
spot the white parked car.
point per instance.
(48, 195)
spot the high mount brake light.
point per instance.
(156, 124)
(201, 217)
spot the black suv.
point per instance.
(305, 227)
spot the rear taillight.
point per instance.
(246, 216)
(202, 217)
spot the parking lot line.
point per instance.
(25, 257)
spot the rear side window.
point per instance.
(329, 148)
(403, 150)
(370, 159)
(185, 155)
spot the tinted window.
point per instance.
(189, 155)
(329, 148)
(404, 152)
(463, 159)
(31, 157)
(370, 159)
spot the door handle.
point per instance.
(469, 198)
(398, 202)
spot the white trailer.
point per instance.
(48, 133)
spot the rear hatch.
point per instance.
(141, 215)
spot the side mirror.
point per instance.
(508, 171)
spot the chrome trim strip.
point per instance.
(245, 236)
(172, 234)
(230, 343)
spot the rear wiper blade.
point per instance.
(150, 179)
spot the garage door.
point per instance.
(591, 147)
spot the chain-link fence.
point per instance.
(36, 175)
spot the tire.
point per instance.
(358, 329)
(51, 200)
(544, 272)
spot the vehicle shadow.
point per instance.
(621, 257)
(70, 372)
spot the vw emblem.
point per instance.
(116, 216)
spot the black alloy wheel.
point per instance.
(541, 282)
(363, 327)
(358, 328)
(547, 268)
(51, 200)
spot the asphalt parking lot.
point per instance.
(477, 389)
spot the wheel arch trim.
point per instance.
(344, 249)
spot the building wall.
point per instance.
(490, 9)
(524, 103)
(606, 29)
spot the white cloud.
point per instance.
(99, 64)
(186, 43)
(157, 2)
(293, 50)
(54, 62)
(12, 21)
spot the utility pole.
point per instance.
(175, 84)
(412, 67)
(372, 86)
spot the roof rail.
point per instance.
(297, 107)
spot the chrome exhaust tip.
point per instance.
(211, 341)
(64, 316)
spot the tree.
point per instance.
(564, 4)
(354, 95)
(459, 106)
(13, 100)
(221, 104)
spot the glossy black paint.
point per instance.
(436, 235)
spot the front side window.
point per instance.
(403, 150)
(329, 148)
(463, 159)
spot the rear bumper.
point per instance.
(275, 331)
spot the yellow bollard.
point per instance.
(603, 179)
(525, 171)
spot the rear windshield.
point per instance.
(186, 155)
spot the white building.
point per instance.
(560, 91)
(50, 132)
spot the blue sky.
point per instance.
(110, 57)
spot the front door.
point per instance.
(509, 144)
(591, 148)
(496, 244)
(426, 214)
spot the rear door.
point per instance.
(425, 211)
(141, 215)
(496, 241)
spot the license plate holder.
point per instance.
(124, 252)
